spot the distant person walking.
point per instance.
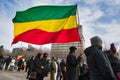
(2, 60)
(20, 64)
(1, 49)
(52, 69)
(8, 61)
(47, 66)
(113, 59)
(98, 62)
(58, 70)
(29, 67)
(72, 64)
(63, 70)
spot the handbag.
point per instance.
(33, 75)
(118, 75)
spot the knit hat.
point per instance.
(113, 48)
(96, 41)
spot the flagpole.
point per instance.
(79, 30)
(78, 20)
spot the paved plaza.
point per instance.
(14, 75)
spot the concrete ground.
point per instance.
(14, 75)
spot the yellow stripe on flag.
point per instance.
(46, 25)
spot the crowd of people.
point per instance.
(99, 65)
(40, 67)
(11, 63)
(103, 65)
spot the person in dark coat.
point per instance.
(2, 61)
(72, 64)
(63, 65)
(1, 49)
(7, 61)
(29, 67)
(47, 66)
(58, 70)
(113, 60)
(98, 62)
(39, 66)
(84, 72)
(20, 64)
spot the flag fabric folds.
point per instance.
(46, 24)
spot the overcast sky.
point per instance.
(98, 17)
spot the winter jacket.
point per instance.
(72, 67)
(114, 62)
(99, 64)
(38, 63)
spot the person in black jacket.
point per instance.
(47, 66)
(84, 72)
(1, 49)
(63, 66)
(2, 61)
(29, 67)
(20, 64)
(39, 66)
(113, 59)
(98, 62)
(7, 61)
(72, 64)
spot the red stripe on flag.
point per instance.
(40, 37)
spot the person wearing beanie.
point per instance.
(96, 41)
(72, 64)
(98, 62)
(113, 58)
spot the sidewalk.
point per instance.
(15, 75)
(10, 75)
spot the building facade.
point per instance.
(61, 50)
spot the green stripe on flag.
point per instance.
(45, 13)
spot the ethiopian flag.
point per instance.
(46, 24)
